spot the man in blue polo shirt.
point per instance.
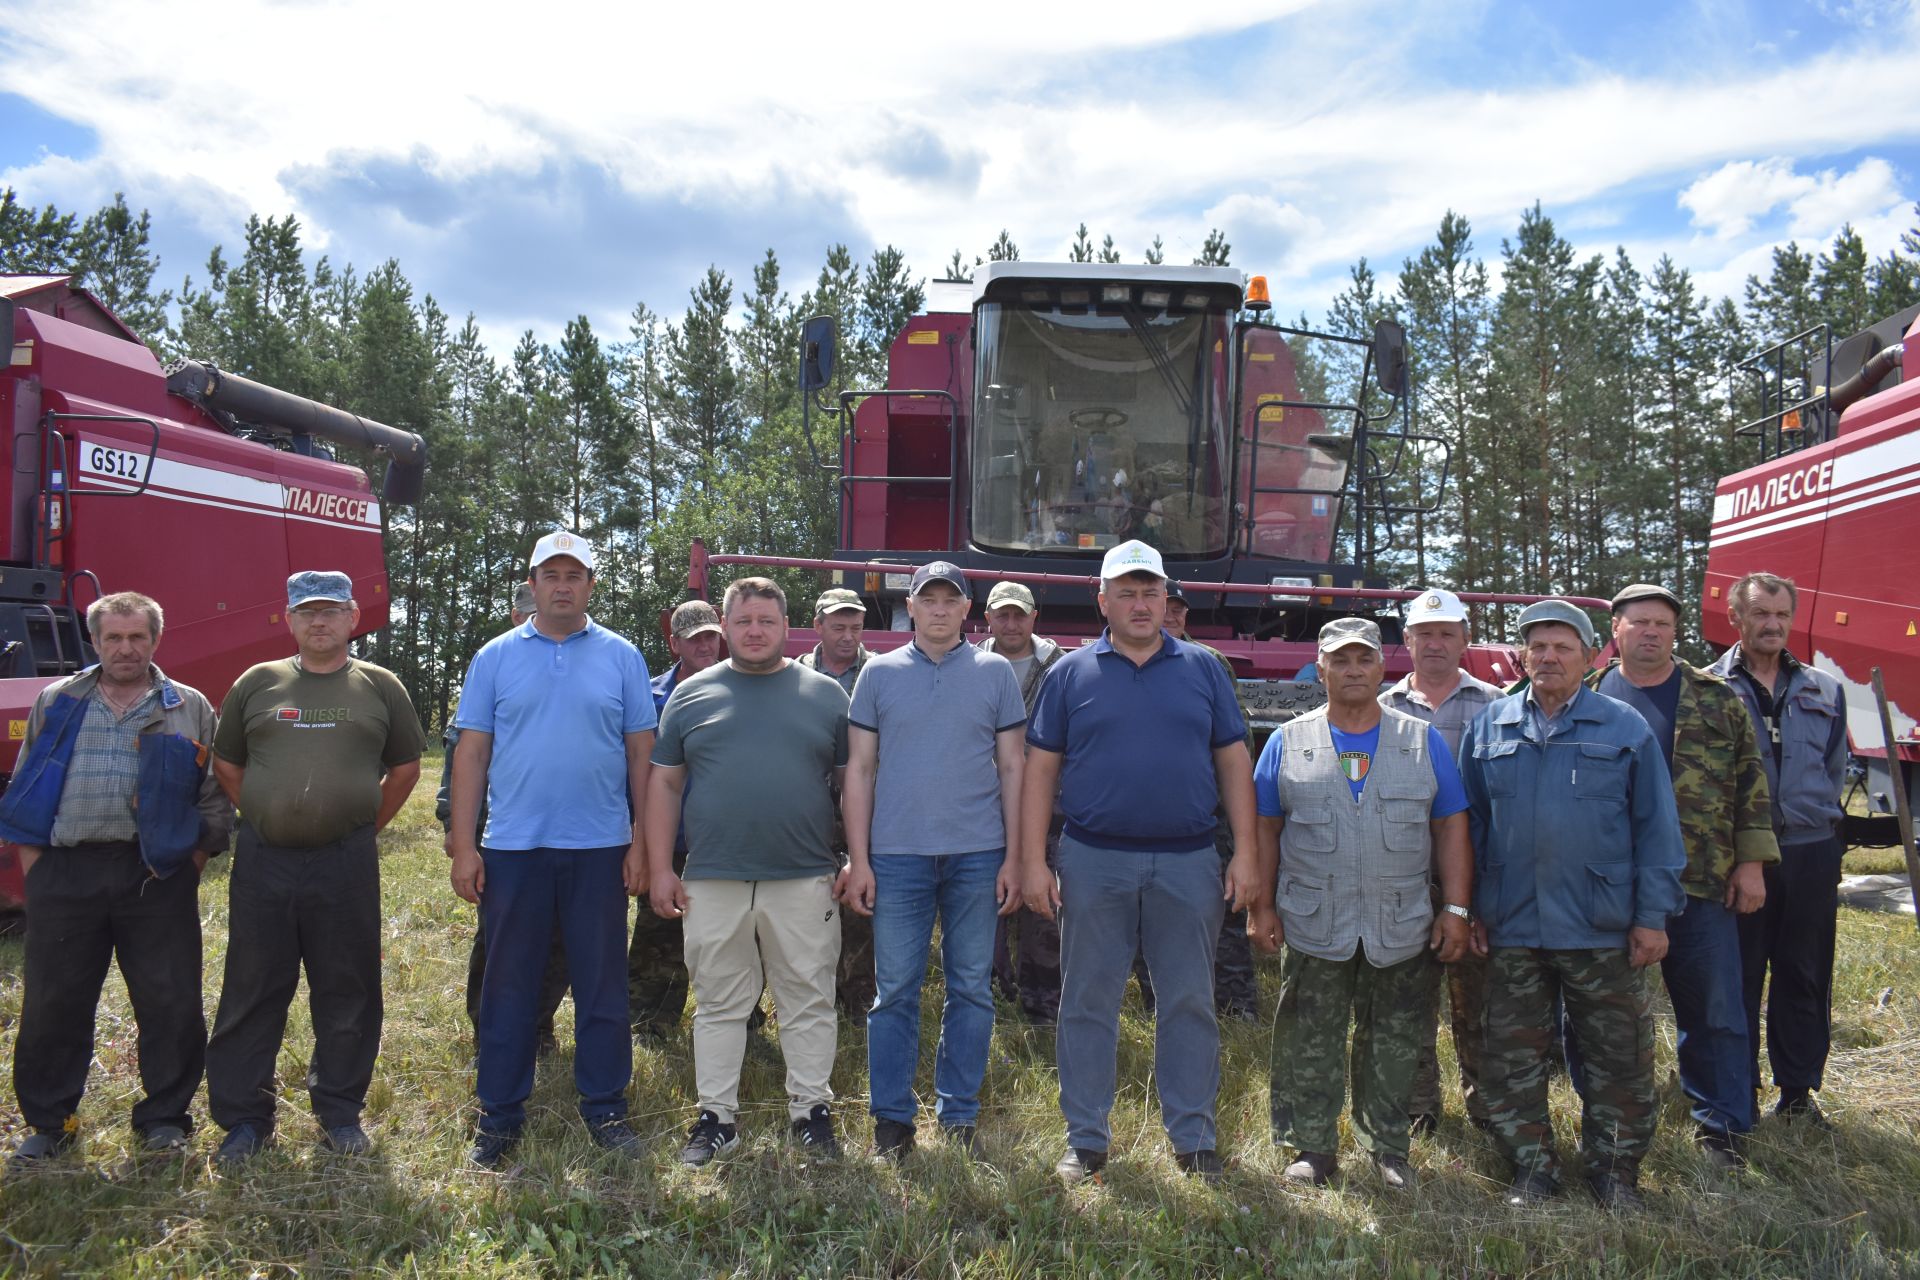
(932, 805)
(556, 729)
(1142, 736)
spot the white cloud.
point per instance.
(1726, 201)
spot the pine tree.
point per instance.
(34, 243)
(1004, 249)
(957, 270)
(1082, 248)
(1107, 252)
(1156, 253)
(112, 259)
(1840, 284)
(1214, 252)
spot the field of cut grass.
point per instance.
(1846, 1204)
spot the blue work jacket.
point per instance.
(1575, 836)
(1810, 721)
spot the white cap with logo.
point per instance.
(562, 543)
(1131, 557)
(1435, 606)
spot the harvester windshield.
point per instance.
(1096, 423)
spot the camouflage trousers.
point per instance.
(1465, 982)
(656, 968)
(1608, 1014)
(1026, 954)
(1388, 1007)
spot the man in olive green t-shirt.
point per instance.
(319, 751)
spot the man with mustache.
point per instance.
(1800, 715)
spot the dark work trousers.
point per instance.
(1793, 935)
(553, 983)
(90, 905)
(529, 894)
(317, 908)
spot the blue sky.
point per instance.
(532, 169)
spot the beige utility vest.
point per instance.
(1353, 872)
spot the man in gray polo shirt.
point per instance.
(932, 804)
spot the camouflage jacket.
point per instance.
(846, 678)
(1719, 783)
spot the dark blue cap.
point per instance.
(940, 571)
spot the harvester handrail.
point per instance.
(849, 426)
(1093, 580)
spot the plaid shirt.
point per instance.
(1455, 712)
(97, 801)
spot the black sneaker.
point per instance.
(348, 1140)
(1203, 1164)
(1395, 1173)
(490, 1150)
(41, 1146)
(1530, 1188)
(1310, 1169)
(815, 1133)
(1799, 1107)
(708, 1138)
(1722, 1149)
(1080, 1164)
(242, 1143)
(892, 1139)
(616, 1136)
(964, 1138)
(1616, 1190)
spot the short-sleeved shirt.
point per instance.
(1456, 711)
(315, 746)
(1658, 704)
(1137, 743)
(559, 712)
(759, 751)
(937, 789)
(1355, 752)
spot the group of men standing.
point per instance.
(1539, 848)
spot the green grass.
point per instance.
(1812, 1205)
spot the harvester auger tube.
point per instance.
(263, 406)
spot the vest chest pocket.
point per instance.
(1600, 772)
(1403, 821)
(1311, 827)
(1499, 765)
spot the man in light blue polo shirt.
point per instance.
(556, 728)
(932, 807)
(1143, 737)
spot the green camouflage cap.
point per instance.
(835, 599)
(1011, 593)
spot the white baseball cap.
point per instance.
(1131, 557)
(562, 543)
(1435, 606)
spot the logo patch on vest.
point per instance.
(1355, 765)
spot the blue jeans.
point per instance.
(1704, 980)
(1168, 907)
(909, 891)
(528, 895)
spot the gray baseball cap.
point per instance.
(1564, 612)
(1645, 591)
(1342, 632)
(318, 584)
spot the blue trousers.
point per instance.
(910, 890)
(1167, 906)
(1703, 976)
(529, 894)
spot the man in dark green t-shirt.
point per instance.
(319, 751)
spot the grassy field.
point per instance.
(1813, 1204)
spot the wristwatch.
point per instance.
(1456, 910)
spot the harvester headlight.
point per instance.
(1039, 297)
(1194, 301)
(1075, 297)
(1158, 298)
(1115, 293)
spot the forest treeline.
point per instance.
(1587, 402)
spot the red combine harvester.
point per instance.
(1834, 504)
(199, 488)
(1045, 412)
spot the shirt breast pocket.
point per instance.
(1808, 721)
(1600, 773)
(1499, 764)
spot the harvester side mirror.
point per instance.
(404, 483)
(1390, 357)
(816, 354)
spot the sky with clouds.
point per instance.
(533, 163)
